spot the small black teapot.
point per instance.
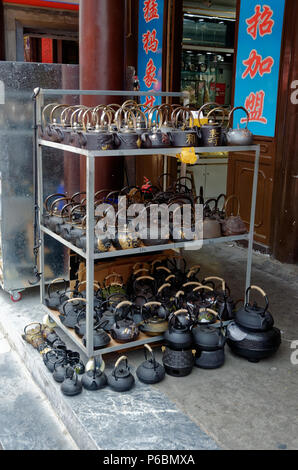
(150, 371)
(121, 379)
(94, 378)
(54, 299)
(71, 385)
(70, 315)
(124, 329)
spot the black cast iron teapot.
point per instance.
(178, 336)
(121, 379)
(211, 134)
(94, 378)
(124, 329)
(54, 299)
(252, 334)
(150, 371)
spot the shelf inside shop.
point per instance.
(152, 151)
(113, 347)
(192, 245)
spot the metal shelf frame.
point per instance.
(89, 255)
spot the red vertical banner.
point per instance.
(47, 50)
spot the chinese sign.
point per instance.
(258, 58)
(150, 48)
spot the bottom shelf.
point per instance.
(113, 347)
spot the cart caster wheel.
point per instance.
(16, 296)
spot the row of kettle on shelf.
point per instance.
(173, 302)
(127, 126)
(66, 216)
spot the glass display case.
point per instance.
(207, 59)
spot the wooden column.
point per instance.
(102, 37)
(285, 190)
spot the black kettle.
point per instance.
(70, 315)
(150, 371)
(209, 342)
(121, 379)
(71, 385)
(94, 378)
(124, 329)
(252, 334)
(54, 299)
(178, 336)
(100, 338)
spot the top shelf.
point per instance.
(152, 151)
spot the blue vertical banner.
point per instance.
(151, 15)
(258, 60)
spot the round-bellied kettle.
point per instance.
(155, 319)
(100, 337)
(124, 329)
(94, 378)
(54, 356)
(70, 314)
(121, 379)
(54, 299)
(71, 385)
(252, 334)
(178, 336)
(150, 371)
(238, 136)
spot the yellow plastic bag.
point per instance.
(187, 155)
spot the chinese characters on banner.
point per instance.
(150, 48)
(258, 58)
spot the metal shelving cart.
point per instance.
(89, 256)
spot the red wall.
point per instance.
(48, 4)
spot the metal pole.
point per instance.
(252, 218)
(90, 167)
(39, 104)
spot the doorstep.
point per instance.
(143, 418)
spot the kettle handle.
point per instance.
(147, 347)
(179, 293)
(195, 267)
(210, 310)
(202, 287)
(216, 278)
(232, 196)
(232, 112)
(150, 304)
(48, 198)
(122, 358)
(261, 292)
(192, 283)
(217, 109)
(95, 284)
(141, 270)
(161, 288)
(72, 300)
(171, 276)
(163, 268)
(203, 107)
(123, 303)
(55, 280)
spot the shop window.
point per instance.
(50, 50)
(207, 58)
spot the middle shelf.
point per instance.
(190, 245)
